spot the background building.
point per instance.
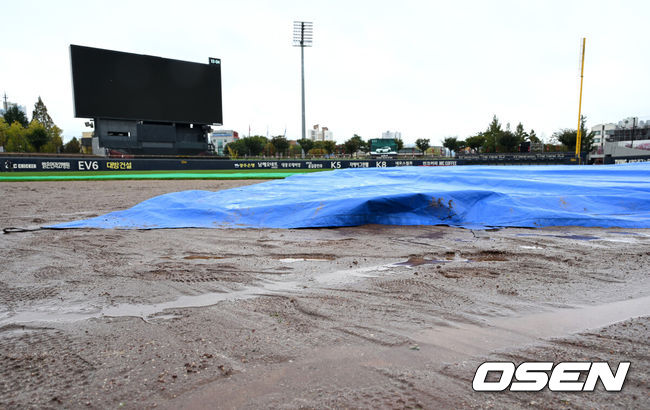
(87, 142)
(391, 135)
(627, 140)
(220, 138)
(601, 131)
(6, 104)
(321, 134)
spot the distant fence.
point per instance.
(25, 164)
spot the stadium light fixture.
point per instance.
(303, 32)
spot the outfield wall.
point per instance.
(25, 164)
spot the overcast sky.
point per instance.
(427, 69)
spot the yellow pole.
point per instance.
(582, 71)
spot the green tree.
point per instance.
(532, 137)
(254, 144)
(72, 147)
(17, 139)
(295, 150)
(14, 114)
(422, 144)
(508, 141)
(4, 127)
(40, 114)
(232, 151)
(451, 143)
(567, 137)
(365, 145)
(329, 146)
(475, 142)
(306, 144)
(55, 142)
(520, 133)
(37, 135)
(353, 145)
(317, 152)
(492, 135)
(400, 144)
(269, 149)
(237, 148)
(281, 144)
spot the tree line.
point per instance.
(17, 134)
(497, 139)
(257, 145)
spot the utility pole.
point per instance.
(302, 37)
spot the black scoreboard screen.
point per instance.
(117, 85)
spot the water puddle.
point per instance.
(578, 237)
(419, 261)
(155, 311)
(575, 237)
(147, 311)
(504, 332)
(343, 366)
(190, 257)
(620, 237)
(347, 276)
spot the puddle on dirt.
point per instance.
(292, 260)
(346, 276)
(203, 257)
(147, 311)
(621, 237)
(154, 311)
(504, 332)
(343, 365)
(418, 261)
(75, 313)
(433, 235)
(415, 261)
(576, 237)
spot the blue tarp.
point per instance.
(466, 196)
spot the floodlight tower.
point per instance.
(302, 37)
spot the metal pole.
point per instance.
(302, 37)
(302, 69)
(578, 132)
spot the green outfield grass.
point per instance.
(176, 174)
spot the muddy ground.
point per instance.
(369, 316)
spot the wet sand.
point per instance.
(369, 316)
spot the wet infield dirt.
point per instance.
(367, 317)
